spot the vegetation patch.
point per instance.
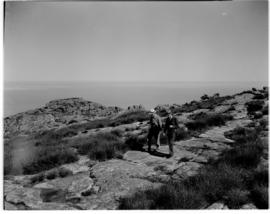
(233, 179)
(202, 121)
(207, 102)
(49, 157)
(102, 146)
(130, 117)
(253, 106)
(136, 142)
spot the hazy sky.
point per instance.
(136, 41)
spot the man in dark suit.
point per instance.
(171, 125)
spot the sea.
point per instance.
(23, 96)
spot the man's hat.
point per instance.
(153, 110)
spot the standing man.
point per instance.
(154, 130)
(171, 125)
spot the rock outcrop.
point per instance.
(56, 113)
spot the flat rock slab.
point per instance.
(61, 183)
(115, 175)
(80, 166)
(9, 206)
(217, 134)
(200, 143)
(80, 185)
(186, 169)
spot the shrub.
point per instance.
(84, 145)
(258, 96)
(130, 117)
(170, 196)
(246, 156)
(259, 195)
(117, 132)
(265, 110)
(49, 157)
(204, 97)
(52, 174)
(104, 150)
(102, 146)
(37, 178)
(261, 178)
(242, 135)
(235, 198)
(135, 143)
(203, 120)
(64, 172)
(253, 106)
(214, 182)
(181, 134)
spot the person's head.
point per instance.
(169, 112)
(152, 111)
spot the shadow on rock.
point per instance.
(159, 154)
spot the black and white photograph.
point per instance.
(135, 105)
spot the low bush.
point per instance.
(52, 174)
(48, 158)
(245, 156)
(130, 117)
(236, 198)
(170, 196)
(117, 132)
(205, 97)
(265, 110)
(64, 172)
(102, 146)
(84, 145)
(242, 135)
(258, 97)
(136, 142)
(253, 106)
(181, 134)
(105, 150)
(37, 178)
(259, 195)
(203, 120)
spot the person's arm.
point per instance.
(166, 125)
(160, 122)
(176, 125)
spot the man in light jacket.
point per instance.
(154, 130)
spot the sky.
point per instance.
(136, 41)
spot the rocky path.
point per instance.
(99, 185)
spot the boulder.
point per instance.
(249, 206)
(80, 185)
(217, 206)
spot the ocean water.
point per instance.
(23, 96)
